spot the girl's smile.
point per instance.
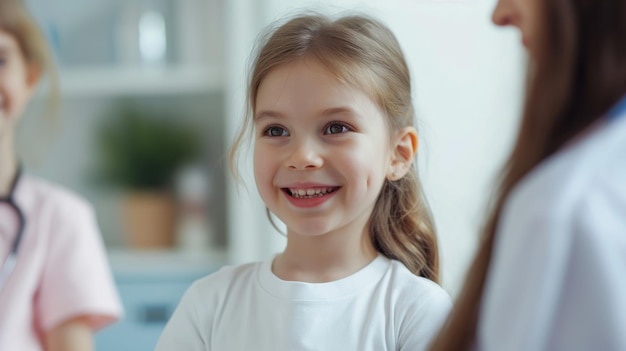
(309, 196)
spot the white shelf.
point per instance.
(112, 81)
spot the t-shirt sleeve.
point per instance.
(76, 279)
(424, 319)
(183, 332)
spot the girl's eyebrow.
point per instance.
(265, 114)
(338, 111)
(327, 112)
(342, 113)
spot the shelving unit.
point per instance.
(100, 49)
(99, 66)
(106, 82)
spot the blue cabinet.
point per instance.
(149, 293)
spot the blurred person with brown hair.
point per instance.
(56, 287)
(550, 272)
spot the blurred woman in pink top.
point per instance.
(56, 287)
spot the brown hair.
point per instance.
(363, 53)
(578, 74)
(16, 20)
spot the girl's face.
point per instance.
(17, 80)
(522, 14)
(321, 152)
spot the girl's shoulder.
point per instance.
(226, 280)
(54, 211)
(410, 287)
(418, 306)
(44, 192)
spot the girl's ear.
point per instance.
(33, 74)
(403, 153)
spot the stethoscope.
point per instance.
(8, 265)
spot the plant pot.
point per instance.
(149, 220)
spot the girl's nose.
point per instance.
(503, 13)
(304, 155)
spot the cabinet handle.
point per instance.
(153, 314)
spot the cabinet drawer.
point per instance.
(148, 305)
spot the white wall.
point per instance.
(467, 76)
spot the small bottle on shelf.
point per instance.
(194, 232)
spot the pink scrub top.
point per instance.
(62, 269)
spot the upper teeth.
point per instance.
(311, 191)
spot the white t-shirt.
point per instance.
(558, 275)
(61, 270)
(381, 307)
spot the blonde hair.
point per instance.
(16, 20)
(364, 53)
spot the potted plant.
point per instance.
(140, 153)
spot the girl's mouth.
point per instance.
(309, 193)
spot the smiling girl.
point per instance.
(334, 144)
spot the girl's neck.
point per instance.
(8, 165)
(323, 258)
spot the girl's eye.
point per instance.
(275, 131)
(336, 128)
